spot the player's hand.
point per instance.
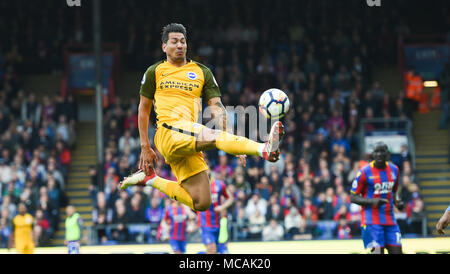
(443, 223)
(399, 204)
(242, 159)
(379, 202)
(218, 208)
(146, 159)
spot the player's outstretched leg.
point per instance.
(271, 150)
(238, 145)
(171, 188)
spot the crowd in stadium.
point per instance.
(323, 62)
(37, 135)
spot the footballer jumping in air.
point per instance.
(175, 86)
(375, 189)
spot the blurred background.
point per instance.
(354, 74)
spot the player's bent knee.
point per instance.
(202, 205)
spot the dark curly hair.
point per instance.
(172, 27)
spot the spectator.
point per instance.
(274, 212)
(417, 216)
(223, 165)
(113, 195)
(343, 230)
(93, 187)
(305, 173)
(309, 211)
(256, 203)
(154, 213)
(127, 141)
(256, 223)
(63, 157)
(53, 192)
(264, 188)
(8, 205)
(327, 204)
(31, 109)
(342, 212)
(242, 185)
(62, 130)
(42, 229)
(335, 123)
(136, 213)
(294, 223)
(340, 140)
(111, 181)
(295, 191)
(5, 232)
(120, 234)
(242, 224)
(55, 173)
(273, 231)
(102, 209)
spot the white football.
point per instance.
(274, 103)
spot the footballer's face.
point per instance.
(176, 47)
(22, 209)
(380, 154)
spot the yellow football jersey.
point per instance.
(177, 91)
(23, 227)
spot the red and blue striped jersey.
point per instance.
(372, 182)
(177, 217)
(211, 218)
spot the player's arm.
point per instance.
(147, 153)
(166, 219)
(145, 106)
(358, 185)
(218, 112)
(358, 199)
(397, 200)
(211, 94)
(443, 222)
(147, 93)
(228, 201)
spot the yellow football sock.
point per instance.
(174, 190)
(238, 145)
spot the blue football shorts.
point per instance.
(210, 235)
(178, 246)
(375, 236)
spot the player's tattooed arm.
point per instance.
(358, 199)
(219, 112)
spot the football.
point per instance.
(274, 103)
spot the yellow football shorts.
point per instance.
(176, 142)
(25, 247)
